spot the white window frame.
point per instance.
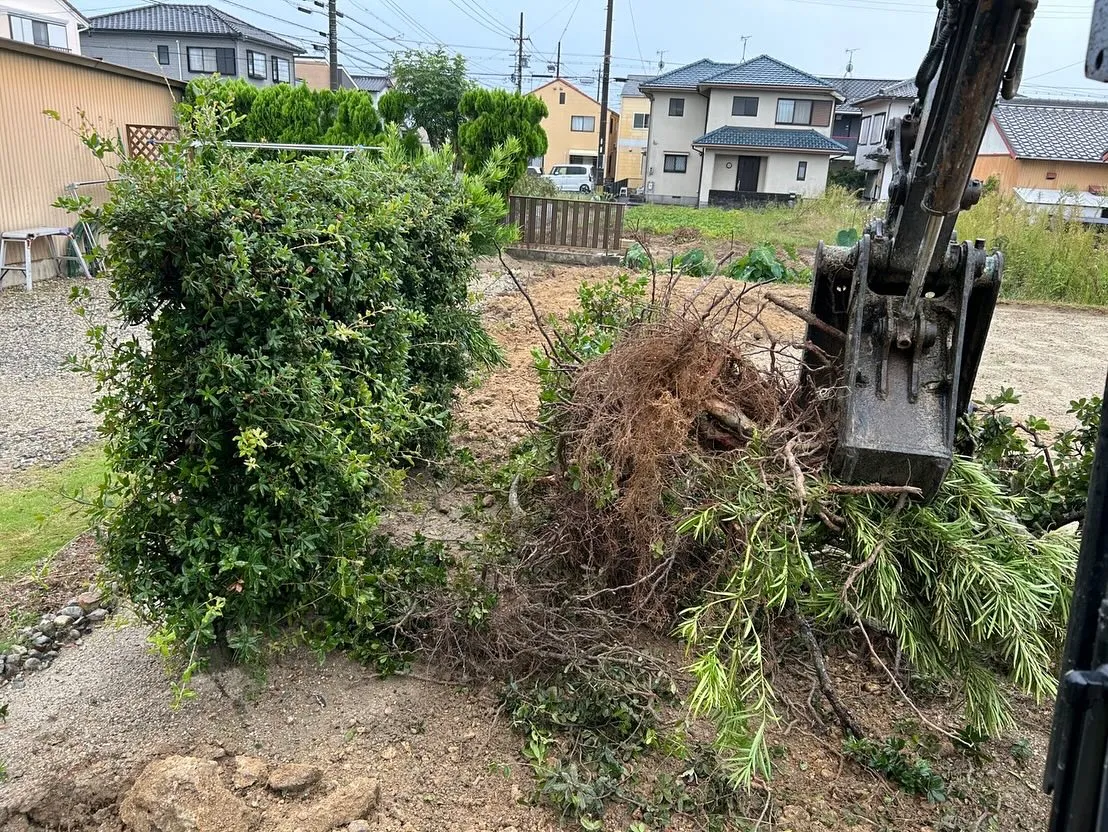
(277, 63)
(877, 129)
(27, 31)
(863, 130)
(641, 117)
(682, 157)
(582, 120)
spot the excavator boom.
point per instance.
(913, 307)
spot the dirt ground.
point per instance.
(78, 733)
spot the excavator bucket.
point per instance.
(897, 392)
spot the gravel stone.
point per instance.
(31, 663)
(88, 601)
(97, 615)
(72, 611)
(74, 634)
(62, 622)
(47, 411)
(42, 642)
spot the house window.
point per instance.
(877, 129)
(677, 106)
(561, 98)
(163, 55)
(255, 64)
(38, 32)
(801, 171)
(675, 162)
(642, 121)
(803, 111)
(742, 105)
(1050, 174)
(863, 132)
(282, 72)
(582, 124)
(207, 60)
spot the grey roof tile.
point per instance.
(898, 89)
(631, 85)
(855, 89)
(765, 71)
(770, 137)
(685, 77)
(372, 83)
(1072, 133)
(185, 19)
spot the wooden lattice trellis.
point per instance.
(144, 141)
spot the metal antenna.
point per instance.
(661, 62)
(744, 39)
(850, 60)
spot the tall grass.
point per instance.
(819, 218)
(1046, 256)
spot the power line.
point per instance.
(635, 29)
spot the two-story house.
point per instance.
(846, 127)
(573, 127)
(51, 23)
(634, 130)
(728, 134)
(872, 155)
(185, 42)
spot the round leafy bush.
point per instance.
(308, 326)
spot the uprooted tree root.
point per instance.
(684, 485)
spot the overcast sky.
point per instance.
(889, 36)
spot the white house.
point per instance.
(728, 134)
(872, 156)
(51, 23)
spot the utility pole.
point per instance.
(333, 41)
(519, 58)
(744, 39)
(558, 62)
(602, 144)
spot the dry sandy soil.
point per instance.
(77, 734)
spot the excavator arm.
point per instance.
(907, 309)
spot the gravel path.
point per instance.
(45, 411)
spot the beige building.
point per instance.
(735, 134)
(634, 130)
(41, 156)
(52, 23)
(316, 74)
(573, 127)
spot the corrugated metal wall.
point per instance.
(40, 156)
(1033, 173)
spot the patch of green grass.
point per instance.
(803, 226)
(43, 509)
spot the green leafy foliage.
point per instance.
(637, 258)
(695, 262)
(428, 91)
(847, 237)
(761, 264)
(847, 177)
(1047, 470)
(308, 326)
(490, 118)
(889, 757)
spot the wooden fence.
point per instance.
(567, 223)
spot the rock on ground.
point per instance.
(346, 804)
(183, 794)
(293, 777)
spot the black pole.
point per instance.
(333, 41)
(602, 144)
(519, 58)
(558, 62)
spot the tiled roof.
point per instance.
(897, 89)
(686, 77)
(1071, 133)
(631, 86)
(770, 137)
(185, 20)
(372, 83)
(855, 89)
(765, 71)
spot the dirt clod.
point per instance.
(183, 794)
(249, 771)
(293, 777)
(346, 804)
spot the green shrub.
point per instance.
(308, 326)
(761, 264)
(1047, 256)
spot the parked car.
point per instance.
(534, 171)
(572, 177)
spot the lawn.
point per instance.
(800, 227)
(43, 509)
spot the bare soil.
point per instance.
(78, 733)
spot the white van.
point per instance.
(572, 177)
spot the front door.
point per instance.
(747, 177)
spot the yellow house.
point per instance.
(573, 127)
(634, 128)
